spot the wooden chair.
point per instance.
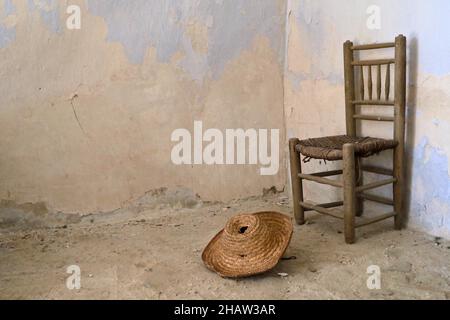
(350, 148)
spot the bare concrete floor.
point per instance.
(155, 254)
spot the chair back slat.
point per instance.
(387, 84)
(369, 83)
(361, 83)
(374, 46)
(379, 82)
(372, 62)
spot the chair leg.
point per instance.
(359, 182)
(398, 188)
(349, 192)
(297, 184)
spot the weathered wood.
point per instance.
(349, 192)
(374, 46)
(297, 185)
(329, 212)
(375, 198)
(399, 128)
(373, 62)
(327, 205)
(359, 178)
(387, 84)
(320, 180)
(379, 82)
(353, 188)
(327, 173)
(361, 83)
(366, 222)
(373, 103)
(378, 170)
(375, 185)
(373, 118)
(349, 76)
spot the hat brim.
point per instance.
(259, 258)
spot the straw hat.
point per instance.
(250, 244)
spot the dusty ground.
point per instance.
(151, 252)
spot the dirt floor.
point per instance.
(154, 252)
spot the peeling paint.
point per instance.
(155, 66)
(324, 22)
(431, 189)
(7, 23)
(232, 26)
(86, 116)
(48, 11)
(314, 89)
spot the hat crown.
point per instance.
(242, 226)
(243, 233)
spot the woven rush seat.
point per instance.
(330, 148)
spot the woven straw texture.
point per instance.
(250, 244)
(330, 148)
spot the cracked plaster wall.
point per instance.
(86, 115)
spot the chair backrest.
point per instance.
(376, 95)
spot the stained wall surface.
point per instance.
(86, 115)
(314, 88)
